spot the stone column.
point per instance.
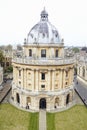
(71, 96)
(34, 53)
(49, 79)
(33, 79)
(53, 79)
(14, 74)
(14, 95)
(22, 78)
(63, 79)
(70, 76)
(60, 79)
(17, 76)
(52, 53)
(25, 78)
(20, 100)
(37, 80)
(62, 71)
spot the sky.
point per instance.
(17, 17)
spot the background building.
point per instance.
(1, 77)
(82, 69)
(7, 56)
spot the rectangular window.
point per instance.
(42, 86)
(19, 73)
(56, 53)
(43, 53)
(66, 73)
(43, 76)
(30, 52)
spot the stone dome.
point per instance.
(43, 32)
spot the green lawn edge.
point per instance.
(74, 118)
(34, 122)
(12, 118)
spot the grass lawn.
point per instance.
(13, 119)
(73, 119)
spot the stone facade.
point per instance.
(42, 77)
(1, 75)
(82, 69)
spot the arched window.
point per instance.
(67, 98)
(56, 53)
(28, 100)
(17, 98)
(66, 73)
(57, 100)
(30, 53)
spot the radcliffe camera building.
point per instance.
(42, 77)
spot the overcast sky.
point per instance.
(17, 17)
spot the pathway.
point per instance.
(42, 120)
(4, 92)
(81, 89)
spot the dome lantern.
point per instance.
(44, 15)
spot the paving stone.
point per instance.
(42, 120)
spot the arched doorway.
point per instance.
(42, 103)
(67, 99)
(17, 98)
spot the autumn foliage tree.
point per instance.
(1, 57)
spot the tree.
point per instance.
(10, 69)
(76, 50)
(2, 47)
(1, 57)
(19, 47)
(9, 47)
